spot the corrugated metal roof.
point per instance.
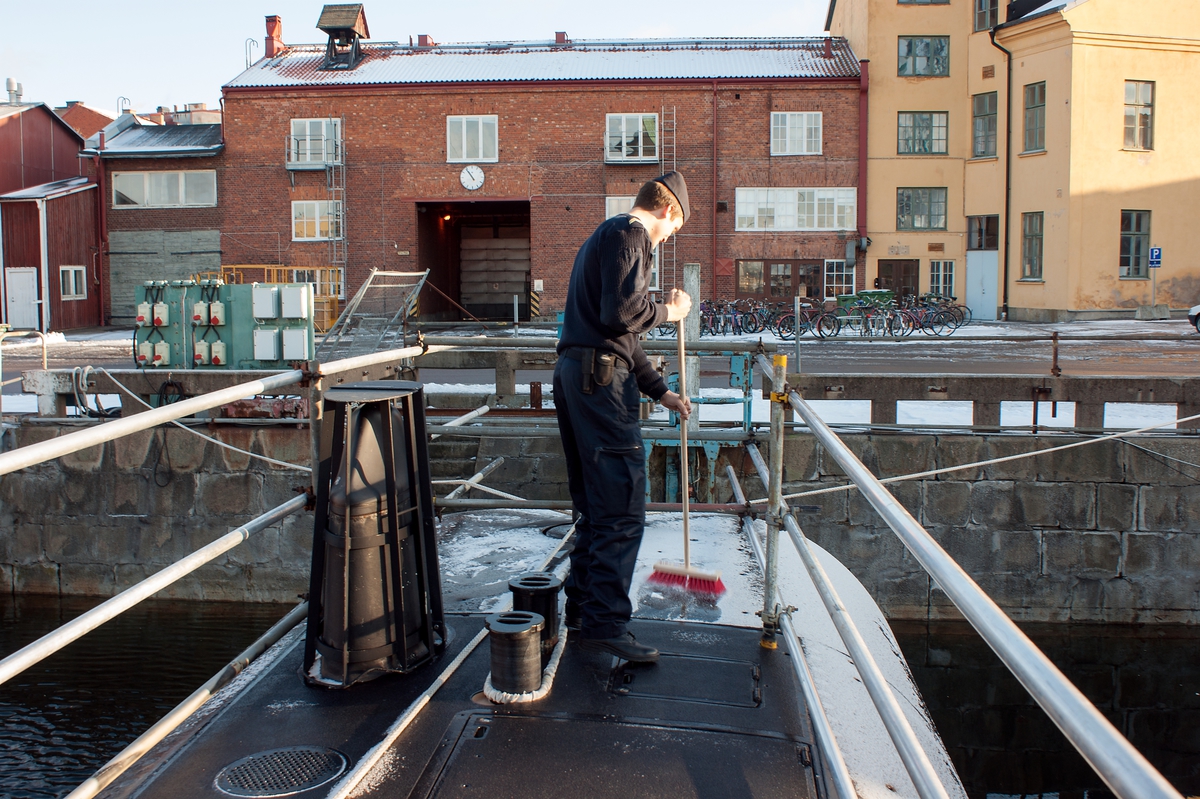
(164, 140)
(47, 189)
(631, 59)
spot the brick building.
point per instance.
(489, 163)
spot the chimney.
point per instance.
(275, 44)
(828, 47)
(14, 96)
(425, 40)
(101, 147)
(560, 38)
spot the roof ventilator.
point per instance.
(346, 25)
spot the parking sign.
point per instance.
(1155, 257)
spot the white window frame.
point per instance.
(180, 176)
(328, 143)
(484, 121)
(795, 209)
(838, 267)
(623, 120)
(327, 211)
(941, 278)
(808, 140)
(622, 204)
(78, 281)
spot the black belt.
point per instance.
(578, 354)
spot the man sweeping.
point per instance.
(601, 368)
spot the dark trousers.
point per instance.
(606, 473)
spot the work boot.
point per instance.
(624, 646)
(573, 620)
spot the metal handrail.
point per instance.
(73, 442)
(1126, 772)
(904, 738)
(167, 724)
(50, 643)
(808, 687)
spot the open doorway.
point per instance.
(478, 258)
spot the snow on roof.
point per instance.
(142, 141)
(46, 190)
(629, 59)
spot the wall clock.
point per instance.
(471, 177)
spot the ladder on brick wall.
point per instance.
(335, 177)
(666, 163)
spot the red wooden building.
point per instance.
(49, 227)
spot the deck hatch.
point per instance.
(691, 678)
(548, 758)
(281, 772)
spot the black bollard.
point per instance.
(538, 592)
(515, 639)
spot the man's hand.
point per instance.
(678, 305)
(673, 402)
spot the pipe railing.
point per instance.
(808, 687)
(466, 418)
(904, 738)
(48, 644)
(476, 478)
(168, 723)
(1126, 772)
(7, 334)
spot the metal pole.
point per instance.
(475, 478)
(47, 645)
(464, 419)
(1126, 772)
(167, 724)
(816, 711)
(770, 611)
(796, 327)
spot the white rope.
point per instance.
(965, 466)
(506, 698)
(219, 443)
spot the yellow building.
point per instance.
(1059, 222)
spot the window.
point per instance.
(796, 133)
(796, 209)
(750, 277)
(164, 189)
(1139, 115)
(614, 206)
(924, 55)
(921, 132)
(1035, 117)
(471, 139)
(327, 281)
(781, 280)
(920, 209)
(984, 130)
(983, 232)
(72, 281)
(839, 278)
(316, 220)
(315, 142)
(1031, 246)
(987, 14)
(632, 137)
(1135, 244)
(941, 278)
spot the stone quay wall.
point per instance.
(1102, 533)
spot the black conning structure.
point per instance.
(375, 599)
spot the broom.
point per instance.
(693, 581)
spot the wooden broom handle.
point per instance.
(683, 445)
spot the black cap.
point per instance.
(678, 186)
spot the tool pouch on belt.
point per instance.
(596, 368)
(587, 360)
(605, 361)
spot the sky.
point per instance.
(172, 53)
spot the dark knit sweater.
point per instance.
(607, 304)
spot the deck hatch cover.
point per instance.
(691, 678)
(549, 757)
(281, 772)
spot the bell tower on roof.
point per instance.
(346, 26)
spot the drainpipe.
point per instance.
(714, 190)
(45, 242)
(1007, 164)
(102, 202)
(864, 81)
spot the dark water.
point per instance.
(65, 717)
(1145, 679)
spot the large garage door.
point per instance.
(494, 266)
